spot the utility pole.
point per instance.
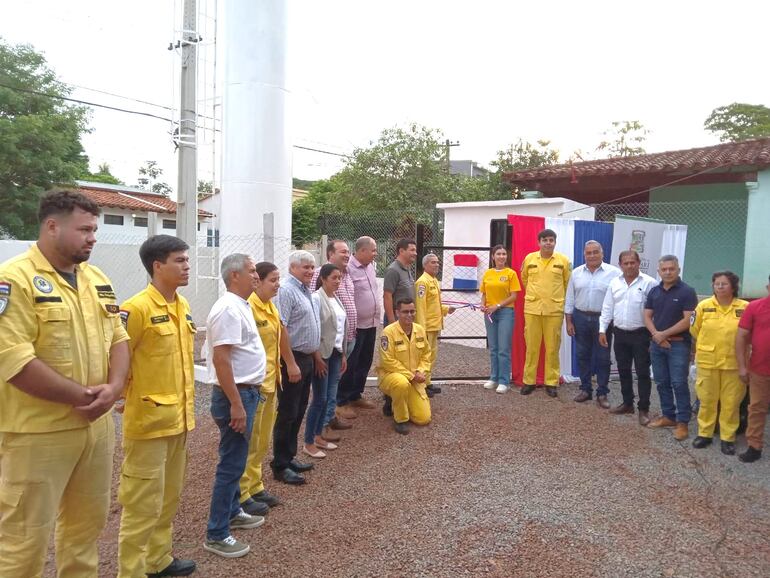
(448, 145)
(187, 187)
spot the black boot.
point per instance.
(750, 455)
(701, 442)
(387, 408)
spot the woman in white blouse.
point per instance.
(330, 361)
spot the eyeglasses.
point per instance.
(718, 285)
(412, 312)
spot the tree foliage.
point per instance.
(739, 121)
(149, 174)
(102, 175)
(626, 138)
(517, 157)
(307, 212)
(39, 137)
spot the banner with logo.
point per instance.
(645, 236)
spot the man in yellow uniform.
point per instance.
(63, 363)
(430, 311)
(544, 276)
(404, 363)
(159, 412)
(718, 385)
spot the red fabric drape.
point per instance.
(525, 230)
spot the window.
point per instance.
(113, 219)
(140, 221)
(212, 238)
(169, 223)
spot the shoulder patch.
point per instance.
(384, 342)
(159, 319)
(3, 304)
(124, 317)
(188, 317)
(739, 312)
(421, 290)
(692, 318)
(42, 284)
(5, 288)
(112, 308)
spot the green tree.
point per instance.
(307, 212)
(103, 175)
(739, 121)
(205, 188)
(39, 137)
(148, 178)
(517, 157)
(404, 170)
(626, 138)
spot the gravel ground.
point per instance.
(496, 486)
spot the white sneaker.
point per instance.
(227, 548)
(490, 384)
(246, 521)
(502, 388)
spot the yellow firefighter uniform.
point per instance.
(717, 384)
(55, 466)
(159, 411)
(430, 313)
(545, 282)
(269, 326)
(400, 357)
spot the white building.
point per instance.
(128, 213)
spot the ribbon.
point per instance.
(464, 304)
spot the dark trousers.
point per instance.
(591, 353)
(634, 347)
(292, 403)
(353, 380)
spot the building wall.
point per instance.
(128, 232)
(715, 230)
(757, 253)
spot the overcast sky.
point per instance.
(484, 72)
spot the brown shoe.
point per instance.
(621, 409)
(338, 423)
(328, 435)
(662, 421)
(346, 412)
(681, 432)
(644, 417)
(603, 402)
(582, 396)
(363, 404)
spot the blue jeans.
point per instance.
(500, 340)
(324, 397)
(670, 368)
(233, 451)
(590, 353)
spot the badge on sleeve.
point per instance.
(124, 317)
(3, 304)
(5, 288)
(692, 318)
(421, 290)
(42, 284)
(384, 343)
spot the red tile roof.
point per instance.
(131, 199)
(751, 152)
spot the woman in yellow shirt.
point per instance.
(499, 288)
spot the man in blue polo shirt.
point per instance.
(667, 315)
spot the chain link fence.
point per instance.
(715, 232)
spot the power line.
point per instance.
(122, 96)
(137, 112)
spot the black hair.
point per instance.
(158, 248)
(403, 245)
(404, 301)
(629, 252)
(331, 248)
(64, 203)
(735, 281)
(264, 268)
(545, 233)
(324, 273)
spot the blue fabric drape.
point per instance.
(590, 231)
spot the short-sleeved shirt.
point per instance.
(497, 286)
(668, 305)
(160, 397)
(231, 322)
(70, 330)
(756, 320)
(398, 281)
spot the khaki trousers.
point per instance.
(59, 479)
(151, 482)
(759, 391)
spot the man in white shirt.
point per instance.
(623, 315)
(236, 363)
(582, 307)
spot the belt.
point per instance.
(615, 328)
(248, 385)
(588, 312)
